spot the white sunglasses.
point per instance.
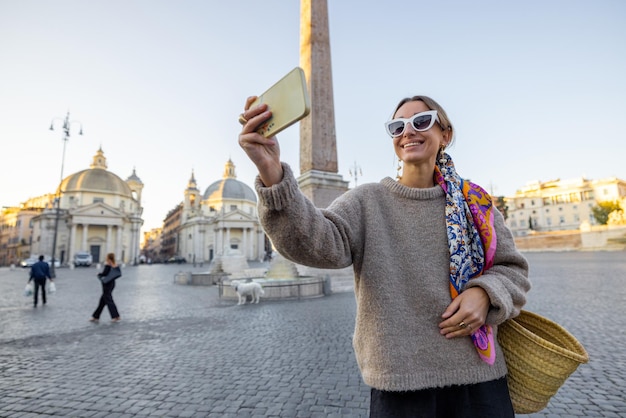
(420, 122)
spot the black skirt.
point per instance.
(480, 400)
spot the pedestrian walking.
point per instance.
(107, 292)
(436, 269)
(39, 272)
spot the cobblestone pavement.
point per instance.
(180, 351)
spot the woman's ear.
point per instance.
(447, 134)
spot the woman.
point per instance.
(436, 269)
(107, 293)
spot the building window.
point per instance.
(234, 246)
(549, 221)
(233, 207)
(98, 200)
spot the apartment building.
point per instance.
(560, 205)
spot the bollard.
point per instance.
(327, 285)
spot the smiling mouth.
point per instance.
(412, 144)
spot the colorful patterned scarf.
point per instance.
(471, 237)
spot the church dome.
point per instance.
(96, 179)
(229, 187)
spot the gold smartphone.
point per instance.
(288, 99)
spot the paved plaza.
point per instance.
(180, 351)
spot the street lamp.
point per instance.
(356, 173)
(57, 201)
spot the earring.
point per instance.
(399, 169)
(442, 156)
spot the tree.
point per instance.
(602, 210)
(501, 206)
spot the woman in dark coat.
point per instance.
(107, 293)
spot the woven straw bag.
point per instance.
(540, 355)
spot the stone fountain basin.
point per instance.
(276, 289)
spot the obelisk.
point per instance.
(319, 179)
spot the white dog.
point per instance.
(245, 289)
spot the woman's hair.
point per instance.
(111, 257)
(444, 121)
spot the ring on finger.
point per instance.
(462, 324)
(242, 119)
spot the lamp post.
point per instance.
(356, 172)
(57, 201)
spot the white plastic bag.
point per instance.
(52, 287)
(28, 290)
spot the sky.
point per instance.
(536, 89)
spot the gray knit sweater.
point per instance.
(395, 239)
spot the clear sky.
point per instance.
(536, 89)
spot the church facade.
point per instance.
(99, 213)
(220, 222)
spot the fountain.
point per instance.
(281, 281)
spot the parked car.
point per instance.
(176, 259)
(48, 259)
(32, 260)
(28, 262)
(83, 258)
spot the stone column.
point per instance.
(220, 241)
(134, 243)
(318, 179)
(244, 242)
(118, 247)
(260, 245)
(108, 243)
(70, 256)
(215, 241)
(83, 244)
(201, 239)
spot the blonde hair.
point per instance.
(444, 121)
